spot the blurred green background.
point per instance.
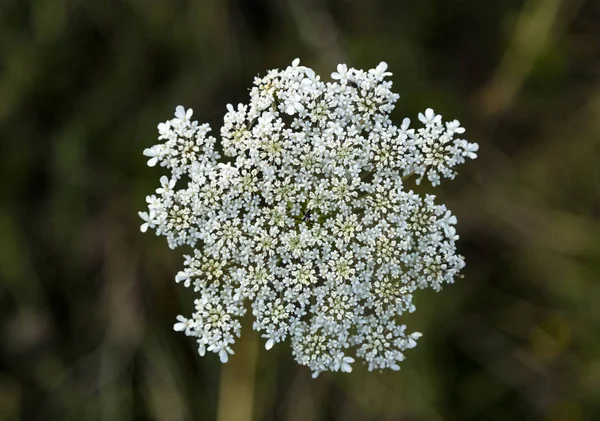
(87, 303)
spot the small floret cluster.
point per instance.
(304, 218)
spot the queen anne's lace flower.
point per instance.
(306, 220)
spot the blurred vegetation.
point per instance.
(87, 303)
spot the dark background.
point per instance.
(87, 303)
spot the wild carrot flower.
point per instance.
(306, 219)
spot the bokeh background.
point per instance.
(87, 303)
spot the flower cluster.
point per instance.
(306, 218)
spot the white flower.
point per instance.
(183, 324)
(380, 71)
(184, 277)
(153, 153)
(342, 74)
(294, 105)
(343, 363)
(166, 185)
(404, 128)
(164, 129)
(182, 114)
(454, 127)
(147, 217)
(469, 149)
(309, 221)
(429, 117)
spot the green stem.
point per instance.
(238, 378)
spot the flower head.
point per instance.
(307, 220)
